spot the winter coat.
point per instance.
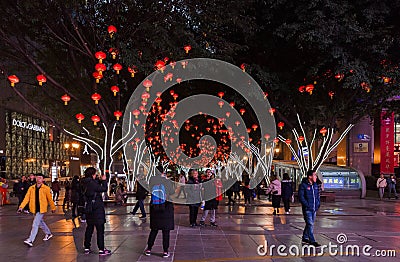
(95, 188)
(287, 189)
(193, 192)
(274, 186)
(21, 188)
(236, 186)
(247, 192)
(45, 199)
(210, 191)
(162, 220)
(391, 182)
(141, 192)
(55, 186)
(75, 191)
(309, 196)
(381, 182)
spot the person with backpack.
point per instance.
(94, 210)
(161, 212)
(381, 184)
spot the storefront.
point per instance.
(29, 145)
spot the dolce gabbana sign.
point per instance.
(29, 126)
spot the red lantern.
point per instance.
(221, 103)
(288, 141)
(96, 97)
(281, 125)
(232, 104)
(158, 100)
(13, 79)
(272, 111)
(114, 52)
(41, 79)
(117, 114)
(243, 67)
(175, 96)
(132, 70)
(100, 55)
(95, 119)
(179, 80)
(66, 98)
(97, 76)
(145, 96)
(242, 111)
(309, 88)
(187, 48)
(276, 140)
(331, 94)
(323, 131)
(221, 94)
(147, 83)
(267, 136)
(254, 127)
(80, 117)
(301, 139)
(302, 89)
(115, 90)
(160, 65)
(136, 113)
(111, 30)
(117, 67)
(100, 68)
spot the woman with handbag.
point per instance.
(275, 188)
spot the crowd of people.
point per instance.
(200, 191)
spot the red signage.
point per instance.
(387, 143)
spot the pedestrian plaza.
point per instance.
(240, 232)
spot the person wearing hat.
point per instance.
(39, 198)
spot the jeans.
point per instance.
(139, 204)
(38, 222)
(193, 210)
(89, 233)
(381, 192)
(205, 214)
(309, 218)
(152, 238)
(181, 190)
(392, 188)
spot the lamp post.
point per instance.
(73, 158)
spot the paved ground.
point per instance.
(241, 231)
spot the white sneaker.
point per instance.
(28, 242)
(287, 213)
(26, 211)
(47, 237)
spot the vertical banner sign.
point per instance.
(387, 143)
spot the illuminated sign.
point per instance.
(27, 125)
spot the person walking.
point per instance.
(287, 192)
(39, 198)
(20, 190)
(193, 196)
(212, 189)
(55, 187)
(229, 194)
(67, 196)
(381, 184)
(93, 189)
(161, 212)
(75, 192)
(182, 182)
(141, 194)
(392, 186)
(236, 190)
(247, 193)
(310, 202)
(274, 188)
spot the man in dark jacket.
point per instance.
(161, 218)
(141, 194)
(93, 189)
(20, 190)
(310, 202)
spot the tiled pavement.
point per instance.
(241, 230)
